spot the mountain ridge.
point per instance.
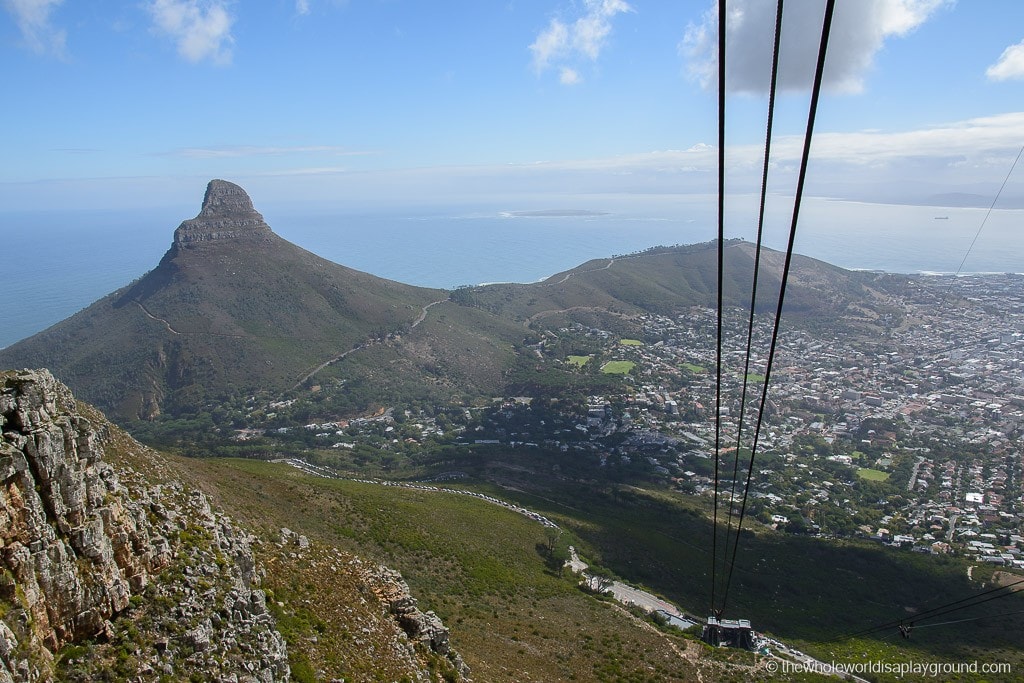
(232, 309)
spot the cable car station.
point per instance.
(728, 633)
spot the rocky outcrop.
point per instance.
(423, 627)
(370, 625)
(102, 571)
(227, 213)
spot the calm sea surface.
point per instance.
(56, 263)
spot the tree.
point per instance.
(554, 550)
(797, 525)
(599, 580)
(551, 537)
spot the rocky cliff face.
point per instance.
(102, 572)
(227, 213)
(112, 569)
(425, 628)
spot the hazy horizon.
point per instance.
(60, 261)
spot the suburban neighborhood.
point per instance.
(909, 437)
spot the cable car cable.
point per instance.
(937, 611)
(757, 263)
(960, 621)
(721, 259)
(801, 179)
(985, 219)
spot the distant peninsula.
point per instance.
(557, 212)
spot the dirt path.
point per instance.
(329, 361)
(159, 320)
(372, 342)
(592, 270)
(423, 315)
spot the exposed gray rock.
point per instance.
(425, 628)
(199, 637)
(227, 213)
(83, 553)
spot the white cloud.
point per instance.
(563, 44)
(859, 30)
(900, 17)
(302, 7)
(963, 156)
(552, 42)
(201, 30)
(974, 142)
(591, 30)
(33, 20)
(1010, 64)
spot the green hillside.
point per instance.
(477, 565)
(805, 590)
(665, 280)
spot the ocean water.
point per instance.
(55, 263)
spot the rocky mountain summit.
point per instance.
(226, 213)
(231, 307)
(112, 569)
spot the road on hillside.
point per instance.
(627, 594)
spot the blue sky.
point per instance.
(118, 105)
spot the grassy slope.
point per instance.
(666, 280)
(476, 565)
(805, 590)
(454, 355)
(462, 349)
